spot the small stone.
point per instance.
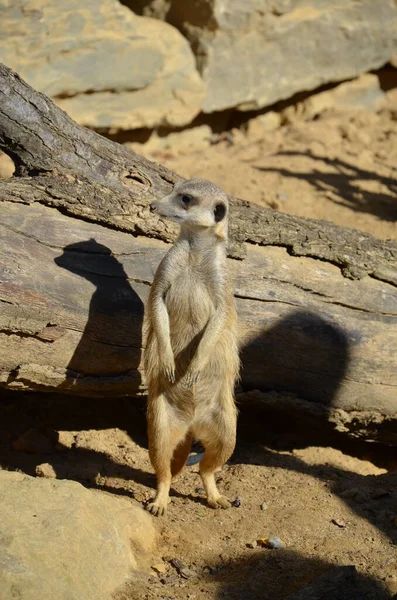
(252, 545)
(194, 459)
(339, 523)
(273, 542)
(46, 470)
(264, 506)
(259, 126)
(236, 502)
(200, 490)
(159, 567)
(182, 569)
(66, 440)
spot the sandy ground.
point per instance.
(330, 501)
(341, 167)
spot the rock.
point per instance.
(46, 470)
(258, 126)
(60, 540)
(182, 569)
(159, 567)
(7, 167)
(339, 523)
(253, 53)
(273, 542)
(105, 66)
(193, 139)
(363, 93)
(66, 440)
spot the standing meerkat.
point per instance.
(191, 356)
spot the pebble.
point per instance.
(264, 506)
(45, 470)
(273, 542)
(182, 569)
(194, 459)
(339, 523)
(159, 568)
(236, 502)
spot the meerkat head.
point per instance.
(196, 203)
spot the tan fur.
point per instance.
(191, 356)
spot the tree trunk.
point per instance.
(317, 303)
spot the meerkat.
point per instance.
(191, 356)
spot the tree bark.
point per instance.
(317, 303)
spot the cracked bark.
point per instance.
(317, 303)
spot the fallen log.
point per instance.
(317, 303)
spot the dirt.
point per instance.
(330, 501)
(341, 167)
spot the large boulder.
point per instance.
(102, 64)
(61, 541)
(253, 53)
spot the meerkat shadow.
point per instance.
(110, 345)
(112, 336)
(304, 355)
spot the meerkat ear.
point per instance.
(219, 212)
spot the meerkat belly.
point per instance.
(189, 307)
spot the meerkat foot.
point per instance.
(219, 502)
(157, 509)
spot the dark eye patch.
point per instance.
(186, 199)
(219, 212)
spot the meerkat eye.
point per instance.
(186, 199)
(219, 212)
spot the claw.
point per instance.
(156, 509)
(219, 502)
(190, 380)
(169, 373)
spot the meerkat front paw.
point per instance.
(169, 368)
(190, 378)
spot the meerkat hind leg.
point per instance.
(164, 437)
(181, 454)
(219, 444)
